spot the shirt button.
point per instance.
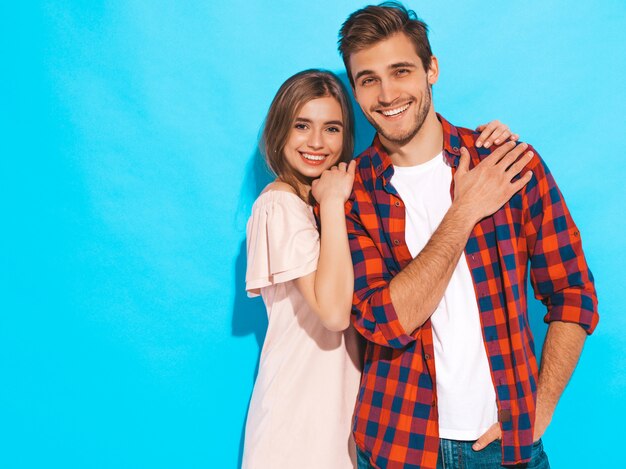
(455, 149)
(427, 356)
(397, 204)
(396, 242)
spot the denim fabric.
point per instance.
(460, 455)
(362, 460)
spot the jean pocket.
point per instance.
(539, 459)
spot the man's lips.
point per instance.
(313, 159)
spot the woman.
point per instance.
(301, 408)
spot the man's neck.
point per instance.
(423, 147)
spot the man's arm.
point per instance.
(561, 350)
(417, 290)
(563, 282)
(387, 309)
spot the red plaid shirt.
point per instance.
(396, 412)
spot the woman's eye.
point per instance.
(334, 129)
(300, 126)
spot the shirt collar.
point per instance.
(451, 148)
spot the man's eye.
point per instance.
(402, 71)
(367, 81)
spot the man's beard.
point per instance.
(420, 117)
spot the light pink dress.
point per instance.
(303, 399)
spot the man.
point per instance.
(440, 284)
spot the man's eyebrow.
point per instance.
(390, 67)
(402, 65)
(363, 72)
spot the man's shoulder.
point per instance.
(468, 137)
(364, 178)
(364, 159)
(365, 168)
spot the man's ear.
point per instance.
(433, 71)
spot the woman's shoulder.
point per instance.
(281, 193)
(279, 186)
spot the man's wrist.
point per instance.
(464, 214)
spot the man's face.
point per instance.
(392, 87)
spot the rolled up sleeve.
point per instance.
(373, 314)
(559, 272)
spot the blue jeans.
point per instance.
(460, 455)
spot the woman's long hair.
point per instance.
(292, 95)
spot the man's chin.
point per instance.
(397, 138)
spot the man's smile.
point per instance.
(396, 112)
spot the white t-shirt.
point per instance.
(465, 391)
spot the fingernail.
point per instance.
(487, 144)
(476, 447)
(497, 141)
(479, 143)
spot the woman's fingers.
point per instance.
(487, 131)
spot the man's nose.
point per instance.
(388, 93)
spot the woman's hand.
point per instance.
(334, 183)
(494, 132)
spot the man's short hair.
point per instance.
(375, 23)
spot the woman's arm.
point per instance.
(329, 289)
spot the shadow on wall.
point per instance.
(249, 315)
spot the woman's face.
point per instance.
(316, 137)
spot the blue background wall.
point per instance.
(128, 169)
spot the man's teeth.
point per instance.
(308, 156)
(396, 111)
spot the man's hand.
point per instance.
(493, 433)
(543, 417)
(482, 190)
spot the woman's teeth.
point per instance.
(396, 111)
(308, 156)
